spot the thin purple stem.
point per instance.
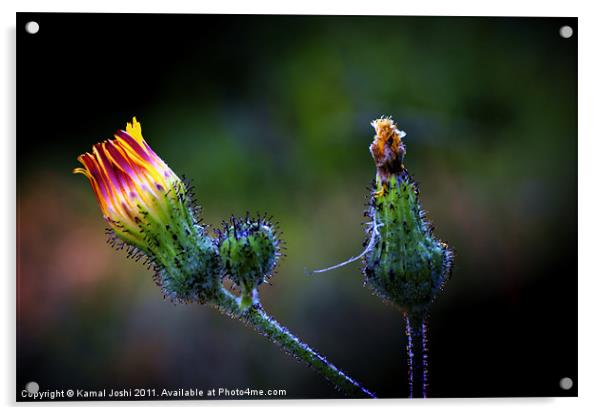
(424, 359)
(255, 317)
(417, 345)
(410, 355)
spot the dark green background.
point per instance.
(271, 114)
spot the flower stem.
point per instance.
(410, 356)
(255, 317)
(417, 356)
(424, 359)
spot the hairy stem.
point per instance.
(417, 356)
(424, 359)
(255, 317)
(410, 356)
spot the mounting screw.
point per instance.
(566, 383)
(566, 31)
(32, 28)
(32, 387)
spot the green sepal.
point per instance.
(407, 265)
(177, 246)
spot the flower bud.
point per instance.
(152, 212)
(406, 264)
(249, 250)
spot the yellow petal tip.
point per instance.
(135, 130)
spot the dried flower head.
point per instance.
(387, 148)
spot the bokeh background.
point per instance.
(271, 114)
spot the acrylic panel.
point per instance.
(295, 207)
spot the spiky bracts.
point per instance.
(406, 265)
(152, 211)
(249, 250)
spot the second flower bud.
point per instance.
(249, 250)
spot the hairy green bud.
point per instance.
(405, 265)
(249, 251)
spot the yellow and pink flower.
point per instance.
(149, 208)
(129, 179)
